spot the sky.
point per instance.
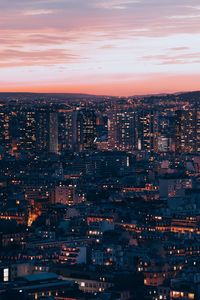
(113, 47)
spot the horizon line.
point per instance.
(101, 95)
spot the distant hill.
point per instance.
(23, 96)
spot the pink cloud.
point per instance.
(182, 58)
(13, 58)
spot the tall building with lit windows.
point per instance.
(42, 132)
(65, 130)
(122, 133)
(84, 130)
(5, 130)
(47, 130)
(166, 132)
(53, 132)
(186, 133)
(147, 126)
(197, 130)
(27, 129)
(18, 130)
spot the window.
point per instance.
(6, 275)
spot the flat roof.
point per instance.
(40, 276)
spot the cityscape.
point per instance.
(99, 150)
(100, 196)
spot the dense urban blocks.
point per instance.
(99, 197)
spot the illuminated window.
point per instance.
(5, 275)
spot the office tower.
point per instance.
(53, 132)
(18, 130)
(65, 129)
(42, 132)
(185, 131)
(102, 128)
(84, 129)
(197, 130)
(27, 130)
(5, 131)
(47, 130)
(122, 130)
(147, 130)
(166, 132)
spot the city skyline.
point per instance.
(116, 47)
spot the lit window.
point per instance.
(5, 275)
